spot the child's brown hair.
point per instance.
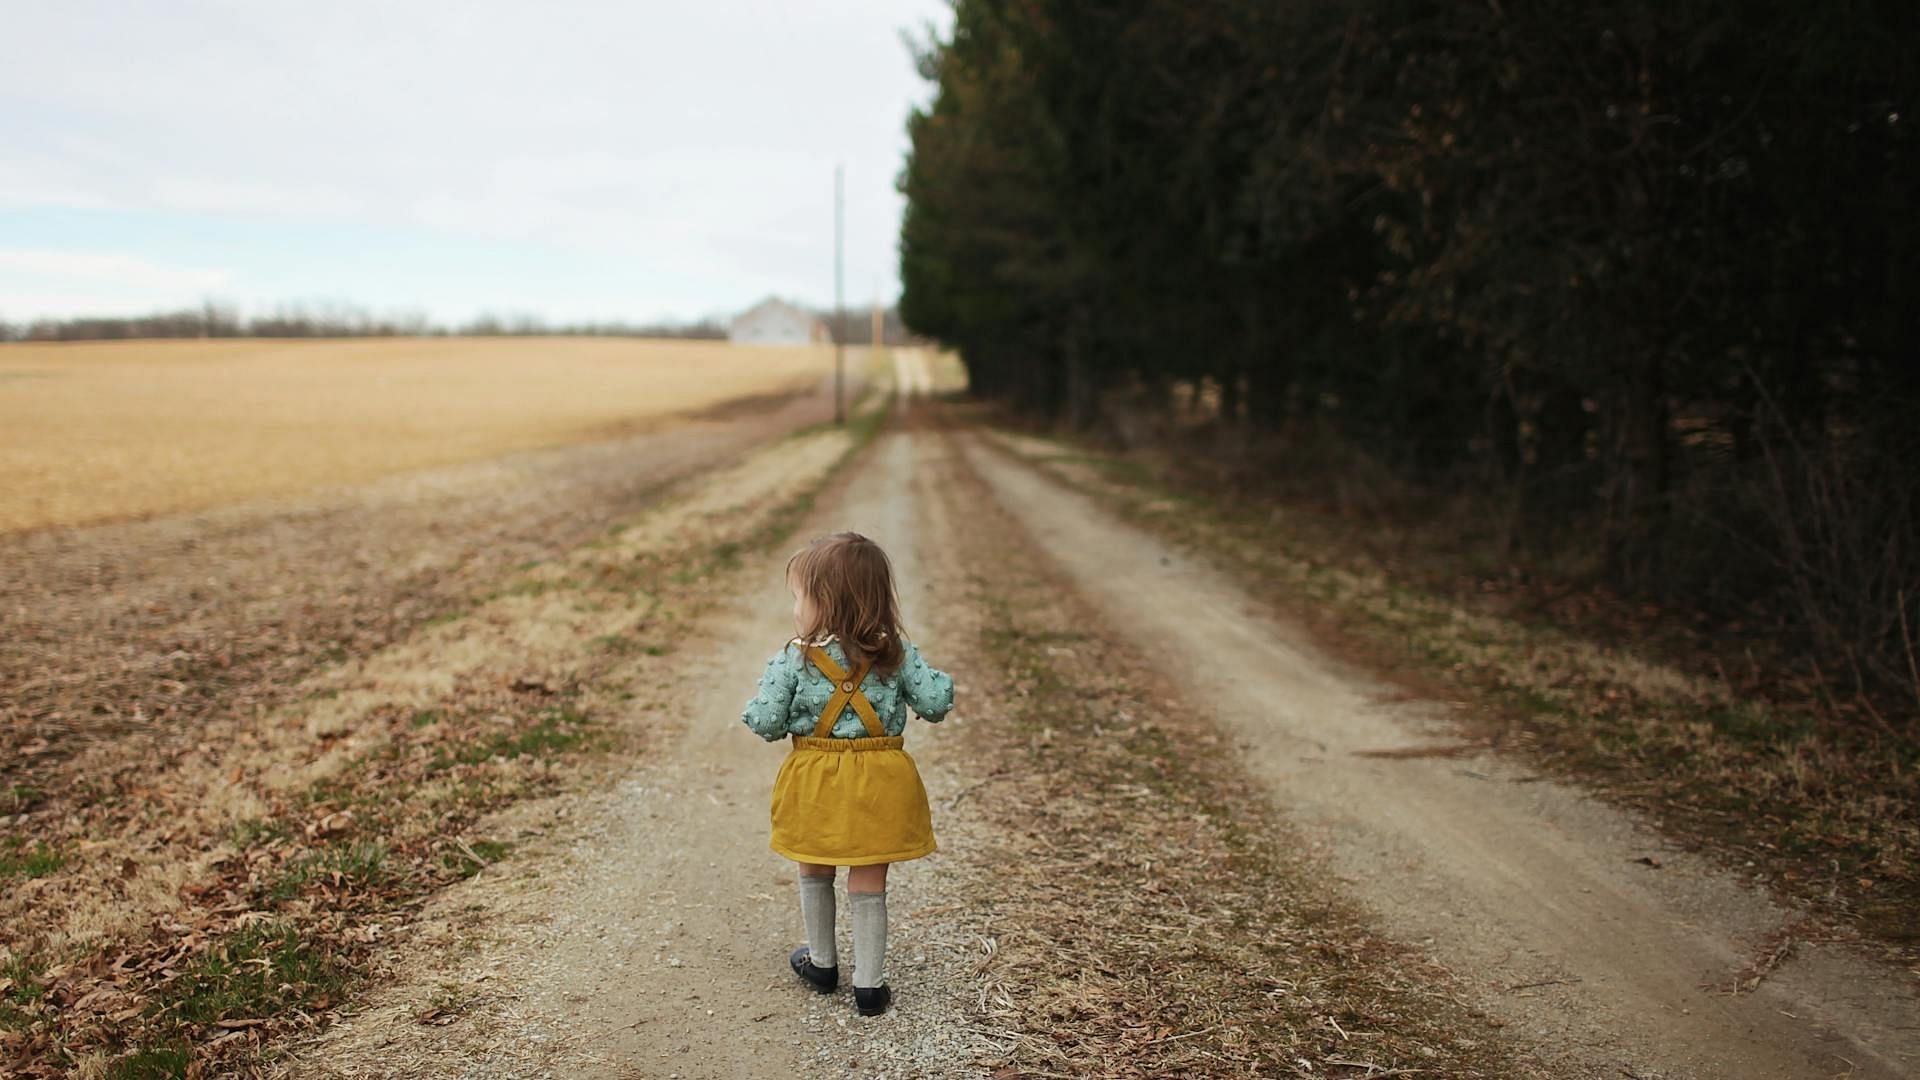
(850, 582)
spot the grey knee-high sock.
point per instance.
(816, 910)
(869, 938)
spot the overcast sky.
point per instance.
(576, 161)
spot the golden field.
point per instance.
(105, 430)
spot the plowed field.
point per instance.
(114, 430)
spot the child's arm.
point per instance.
(766, 714)
(927, 689)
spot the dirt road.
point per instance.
(640, 926)
(650, 943)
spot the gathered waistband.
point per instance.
(885, 742)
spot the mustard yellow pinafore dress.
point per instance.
(849, 802)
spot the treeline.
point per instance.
(1636, 273)
(219, 321)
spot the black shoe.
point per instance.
(872, 1000)
(824, 979)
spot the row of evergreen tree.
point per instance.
(1640, 270)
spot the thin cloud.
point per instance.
(44, 282)
(108, 267)
(691, 144)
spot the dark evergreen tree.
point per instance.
(1641, 271)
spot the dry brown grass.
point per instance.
(99, 431)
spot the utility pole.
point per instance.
(839, 301)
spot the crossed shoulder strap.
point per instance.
(846, 692)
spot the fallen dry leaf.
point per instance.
(332, 825)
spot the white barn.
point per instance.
(773, 321)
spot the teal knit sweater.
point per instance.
(793, 691)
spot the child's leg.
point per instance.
(867, 893)
(865, 879)
(816, 911)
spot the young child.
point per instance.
(847, 795)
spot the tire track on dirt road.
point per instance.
(1527, 891)
(654, 946)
